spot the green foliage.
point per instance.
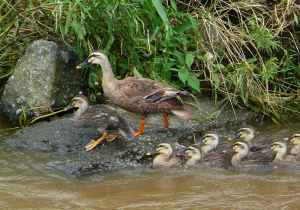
(245, 49)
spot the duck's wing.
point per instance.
(149, 90)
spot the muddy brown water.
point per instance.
(25, 183)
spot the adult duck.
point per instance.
(139, 95)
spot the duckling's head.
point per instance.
(80, 102)
(245, 134)
(210, 141)
(192, 153)
(192, 156)
(241, 148)
(164, 149)
(295, 139)
(280, 149)
(95, 57)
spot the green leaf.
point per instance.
(194, 82)
(191, 23)
(161, 11)
(173, 5)
(189, 59)
(183, 75)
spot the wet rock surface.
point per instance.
(65, 140)
(41, 78)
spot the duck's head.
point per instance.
(210, 141)
(192, 153)
(240, 148)
(95, 57)
(80, 102)
(164, 149)
(245, 134)
(295, 139)
(280, 149)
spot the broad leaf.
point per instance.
(161, 11)
(194, 82)
(189, 59)
(183, 75)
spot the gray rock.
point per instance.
(41, 78)
(66, 141)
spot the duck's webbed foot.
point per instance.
(105, 137)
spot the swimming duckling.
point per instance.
(165, 157)
(295, 141)
(210, 142)
(246, 135)
(281, 152)
(89, 115)
(241, 150)
(193, 156)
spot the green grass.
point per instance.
(244, 51)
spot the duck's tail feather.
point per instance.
(184, 114)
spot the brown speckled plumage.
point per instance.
(139, 95)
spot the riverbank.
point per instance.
(243, 52)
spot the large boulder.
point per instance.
(43, 77)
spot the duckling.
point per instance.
(295, 140)
(193, 156)
(85, 115)
(241, 150)
(210, 142)
(246, 135)
(281, 152)
(165, 157)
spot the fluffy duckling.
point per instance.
(246, 135)
(193, 156)
(295, 141)
(89, 115)
(210, 142)
(281, 152)
(165, 157)
(241, 150)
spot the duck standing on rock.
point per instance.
(86, 114)
(139, 95)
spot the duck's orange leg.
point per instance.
(104, 137)
(166, 120)
(141, 129)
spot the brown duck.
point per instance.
(139, 95)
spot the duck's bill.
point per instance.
(84, 63)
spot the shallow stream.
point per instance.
(25, 183)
